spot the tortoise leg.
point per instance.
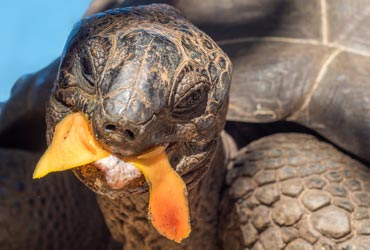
(55, 213)
(291, 191)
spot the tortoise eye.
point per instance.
(87, 70)
(192, 99)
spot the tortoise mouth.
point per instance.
(119, 173)
(113, 177)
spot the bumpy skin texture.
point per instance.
(40, 215)
(144, 77)
(127, 218)
(291, 59)
(310, 65)
(290, 191)
(58, 213)
(272, 36)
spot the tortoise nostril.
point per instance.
(110, 127)
(129, 134)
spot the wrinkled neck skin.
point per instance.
(128, 221)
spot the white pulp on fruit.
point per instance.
(118, 172)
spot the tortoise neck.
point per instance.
(128, 223)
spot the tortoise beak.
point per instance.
(74, 145)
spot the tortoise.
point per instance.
(283, 191)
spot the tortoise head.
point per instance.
(144, 76)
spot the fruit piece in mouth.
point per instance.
(118, 173)
(74, 145)
(168, 203)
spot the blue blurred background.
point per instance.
(33, 33)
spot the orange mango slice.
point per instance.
(74, 145)
(168, 203)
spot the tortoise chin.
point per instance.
(115, 178)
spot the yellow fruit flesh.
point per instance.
(168, 203)
(73, 145)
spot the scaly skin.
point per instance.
(145, 77)
(127, 218)
(291, 191)
(254, 216)
(58, 213)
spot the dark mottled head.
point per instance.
(145, 76)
